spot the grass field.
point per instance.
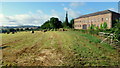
(57, 48)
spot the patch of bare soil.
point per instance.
(45, 57)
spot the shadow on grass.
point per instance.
(4, 47)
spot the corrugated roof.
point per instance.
(97, 13)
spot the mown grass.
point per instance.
(69, 48)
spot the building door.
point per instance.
(84, 27)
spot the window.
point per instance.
(102, 19)
(106, 18)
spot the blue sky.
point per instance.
(36, 13)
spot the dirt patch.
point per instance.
(45, 57)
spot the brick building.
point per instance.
(98, 18)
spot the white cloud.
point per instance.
(113, 9)
(37, 18)
(72, 13)
(76, 4)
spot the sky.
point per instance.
(36, 13)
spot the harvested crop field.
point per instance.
(56, 48)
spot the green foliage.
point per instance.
(72, 23)
(91, 38)
(21, 29)
(53, 23)
(96, 27)
(104, 25)
(92, 27)
(46, 25)
(8, 31)
(116, 30)
(66, 23)
(101, 26)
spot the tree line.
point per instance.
(15, 30)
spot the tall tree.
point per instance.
(72, 23)
(66, 23)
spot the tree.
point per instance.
(3, 30)
(17, 29)
(72, 23)
(46, 25)
(21, 29)
(66, 23)
(8, 31)
(53, 23)
(12, 30)
(26, 28)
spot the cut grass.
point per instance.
(68, 48)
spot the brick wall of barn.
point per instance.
(95, 20)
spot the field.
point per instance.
(57, 48)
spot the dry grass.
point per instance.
(54, 48)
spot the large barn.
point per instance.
(96, 19)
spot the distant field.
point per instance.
(55, 48)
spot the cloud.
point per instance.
(72, 13)
(37, 18)
(76, 4)
(113, 9)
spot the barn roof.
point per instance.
(97, 13)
